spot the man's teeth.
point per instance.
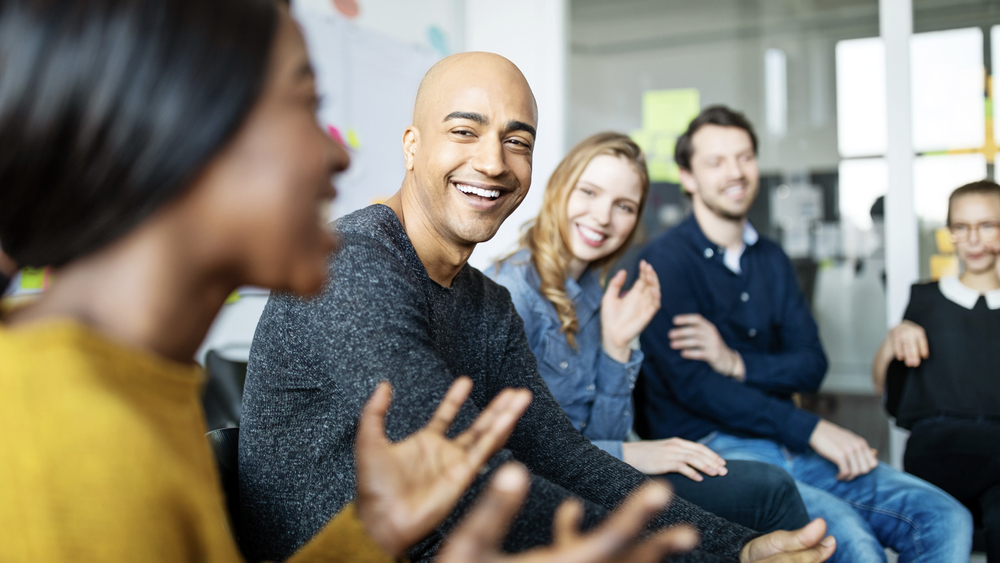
(591, 234)
(491, 194)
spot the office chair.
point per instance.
(222, 397)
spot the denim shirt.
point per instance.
(593, 389)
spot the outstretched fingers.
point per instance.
(486, 524)
(615, 285)
(450, 405)
(628, 521)
(371, 429)
(493, 426)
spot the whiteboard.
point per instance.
(368, 82)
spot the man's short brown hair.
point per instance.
(712, 115)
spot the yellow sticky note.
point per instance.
(233, 298)
(943, 265)
(32, 278)
(352, 139)
(669, 110)
(943, 238)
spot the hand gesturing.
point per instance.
(617, 539)
(406, 489)
(624, 317)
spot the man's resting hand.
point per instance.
(805, 545)
(849, 452)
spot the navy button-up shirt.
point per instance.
(760, 312)
(594, 389)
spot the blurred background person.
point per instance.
(582, 334)
(941, 365)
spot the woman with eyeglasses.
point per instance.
(941, 365)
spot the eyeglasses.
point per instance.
(987, 231)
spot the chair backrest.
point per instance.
(222, 397)
(225, 444)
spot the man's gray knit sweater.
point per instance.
(314, 363)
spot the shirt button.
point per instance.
(590, 388)
(583, 425)
(752, 332)
(564, 364)
(709, 253)
(627, 414)
(744, 297)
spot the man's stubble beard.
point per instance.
(724, 214)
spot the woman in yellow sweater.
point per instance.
(158, 154)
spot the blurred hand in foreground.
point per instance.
(617, 539)
(406, 489)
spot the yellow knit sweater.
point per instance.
(103, 457)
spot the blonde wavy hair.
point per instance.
(547, 236)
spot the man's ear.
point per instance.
(411, 138)
(688, 182)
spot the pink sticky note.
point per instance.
(335, 134)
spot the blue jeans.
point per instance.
(885, 507)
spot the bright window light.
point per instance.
(948, 74)
(995, 57)
(862, 181)
(861, 103)
(776, 91)
(935, 177)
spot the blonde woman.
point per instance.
(581, 333)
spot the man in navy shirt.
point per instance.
(734, 339)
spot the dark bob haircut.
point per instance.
(713, 115)
(110, 108)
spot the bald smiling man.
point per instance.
(404, 306)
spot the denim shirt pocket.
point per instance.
(561, 370)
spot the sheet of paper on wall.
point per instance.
(669, 111)
(368, 82)
(665, 116)
(659, 150)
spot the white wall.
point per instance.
(532, 34)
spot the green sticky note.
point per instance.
(669, 110)
(32, 278)
(659, 150)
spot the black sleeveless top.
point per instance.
(961, 376)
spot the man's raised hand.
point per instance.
(404, 490)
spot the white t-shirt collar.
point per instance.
(731, 258)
